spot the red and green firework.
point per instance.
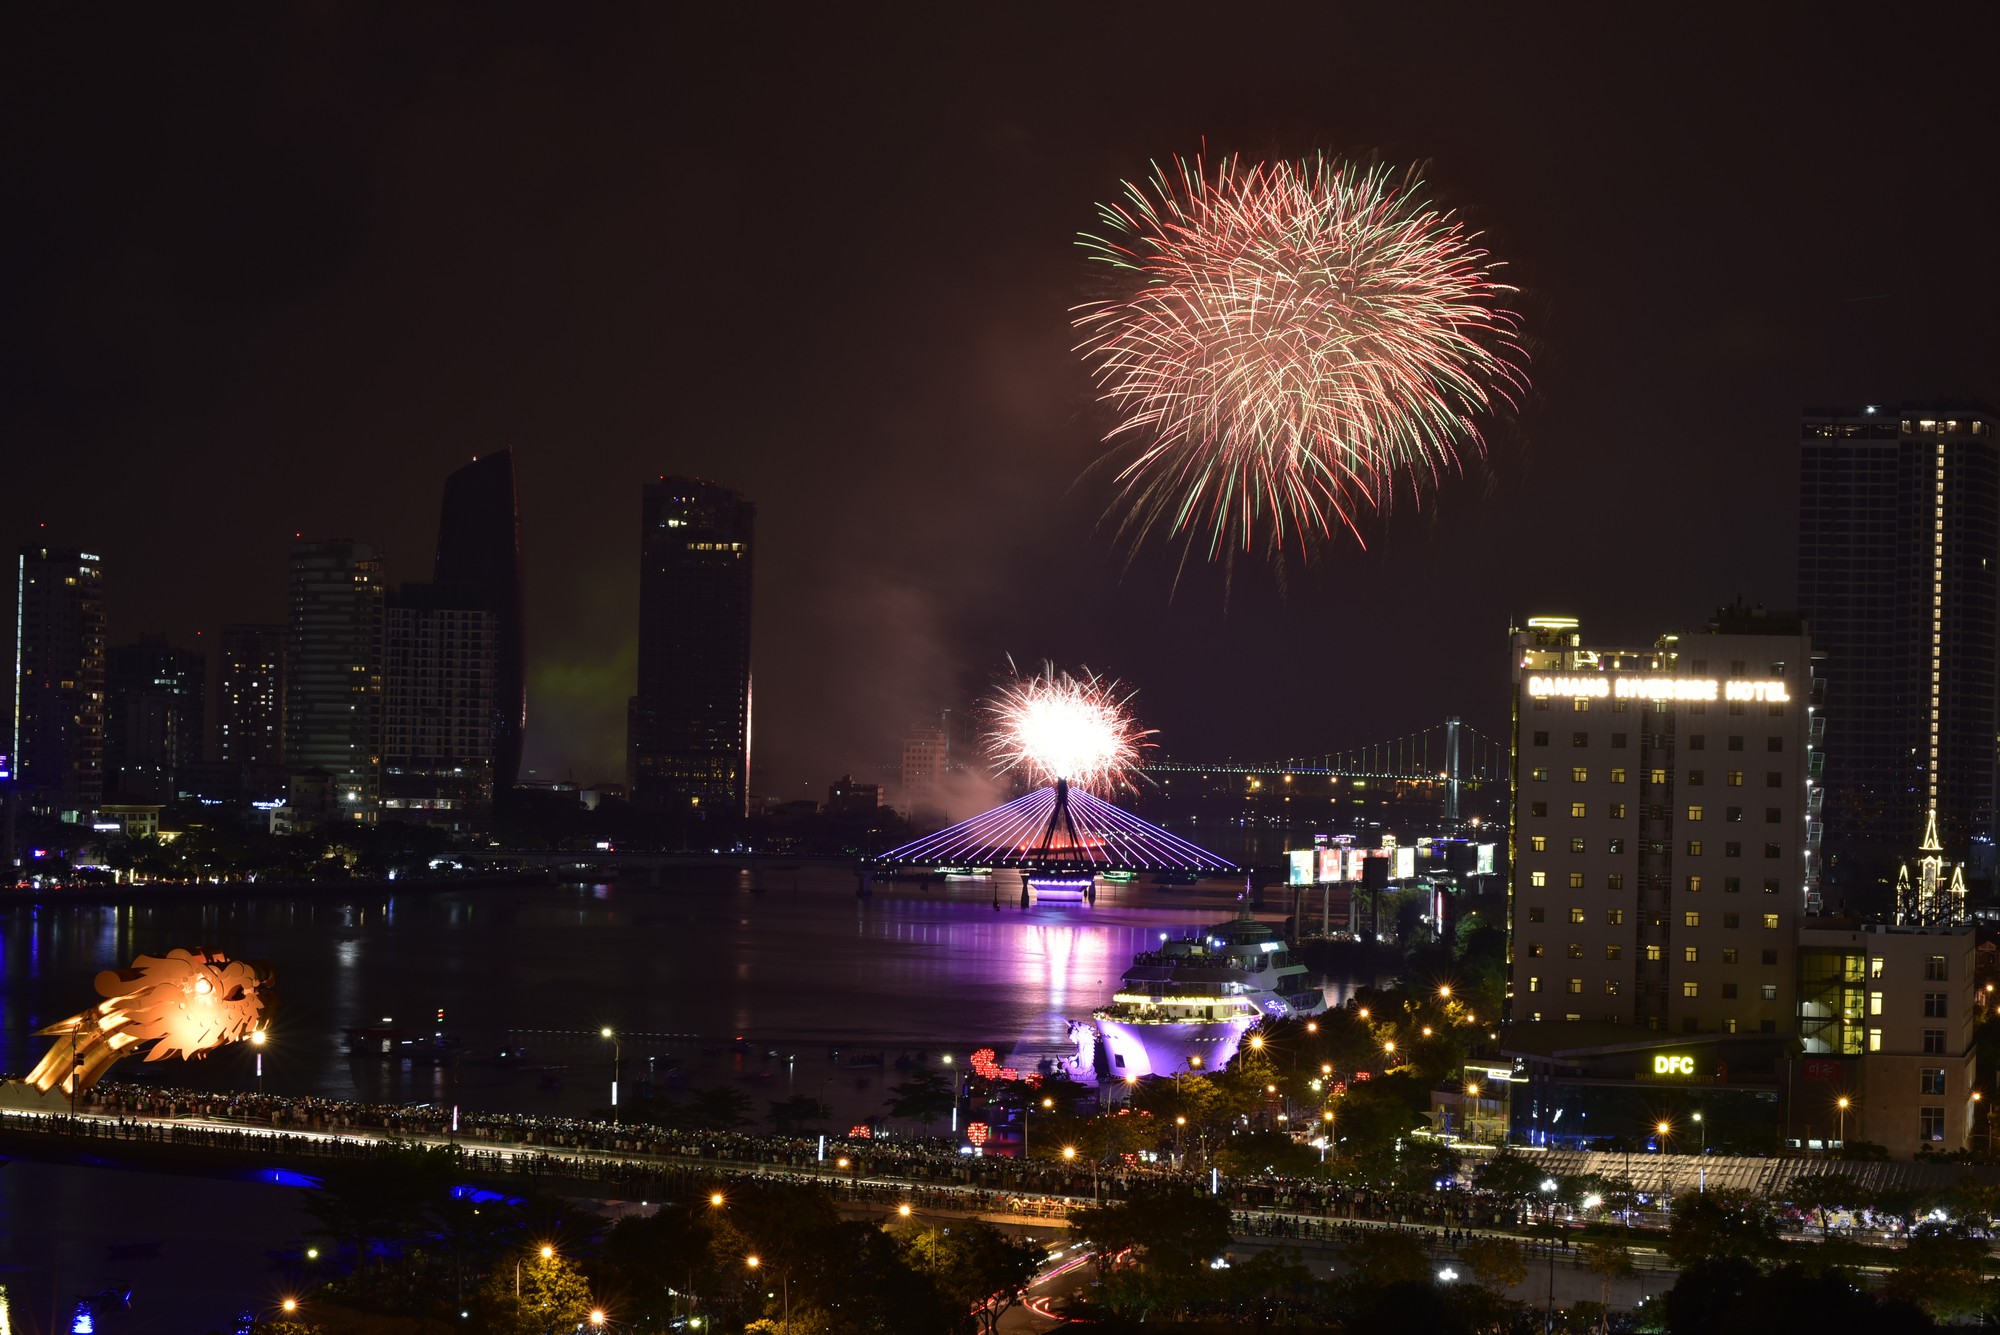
(1287, 345)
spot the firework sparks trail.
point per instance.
(1056, 726)
(1290, 342)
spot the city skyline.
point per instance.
(918, 478)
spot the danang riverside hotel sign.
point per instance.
(1605, 685)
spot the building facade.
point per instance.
(1659, 833)
(59, 665)
(1899, 575)
(440, 672)
(926, 753)
(1886, 1022)
(479, 556)
(156, 710)
(250, 695)
(333, 670)
(688, 727)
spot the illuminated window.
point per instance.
(1653, 953)
(1579, 774)
(1875, 966)
(1770, 922)
(1576, 915)
(1577, 809)
(1539, 843)
(1576, 844)
(1690, 954)
(1539, 773)
(1695, 812)
(1874, 1040)
(1576, 880)
(1694, 885)
(1614, 952)
(1734, 778)
(1875, 1003)
(1617, 774)
(1534, 983)
(1656, 776)
(1617, 811)
(1768, 991)
(1575, 951)
(1576, 984)
(1538, 879)
(1692, 918)
(1694, 848)
(1690, 989)
(1580, 705)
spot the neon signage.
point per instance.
(1673, 1065)
(1604, 686)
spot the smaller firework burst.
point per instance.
(1053, 725)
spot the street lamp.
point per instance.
(1841, 1104)
(784, 1282)
(597, 1317)
(257, 1040)
(1701, 1176)
(1549, 1189)
(617, 1062)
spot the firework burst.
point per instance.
(1053, 726)
(1289, 343)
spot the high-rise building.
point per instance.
(479, 555)
(926, 752)
(58, 734)
(688, 728)
(1659, 845)
(1899, 574)
(250, 700)
(439, 676)
(333, 669)
(1660, 839)
(156, 708)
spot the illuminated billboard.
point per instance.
(1304, 861)
(1484, 866)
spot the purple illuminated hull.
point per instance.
(1139, 1050)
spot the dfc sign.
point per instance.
(1673, 1066)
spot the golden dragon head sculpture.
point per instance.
(185, 1002)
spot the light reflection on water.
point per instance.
(801, 968)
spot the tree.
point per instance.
(1713, 1225)
(553, 1296)
(1176, 1228)
(1387, 1256)
(1941, 1269)
(923, 1098)
(390, 1196)
(980, 1268)
(798, 1113)
(720, 1109)
(1497, 1263)
(1608, 1259)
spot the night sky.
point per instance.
(280, 269)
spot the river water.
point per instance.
(801, 968)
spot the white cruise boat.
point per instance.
(1186, 1005)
